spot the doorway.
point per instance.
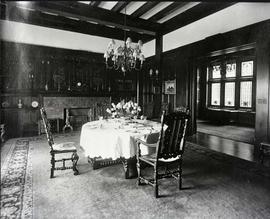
(225, 100)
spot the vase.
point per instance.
(20, 104)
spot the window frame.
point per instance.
(248, 78)
(223, 61)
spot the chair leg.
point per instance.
(139, 172)
(126, 168)
(52, 164)
(180, 174)
(75, 159)
(261, 155)
(156, 182)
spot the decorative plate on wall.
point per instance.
(5, 104)
(34, 104)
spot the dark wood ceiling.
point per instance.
(139, 20)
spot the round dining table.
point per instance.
(116, 138)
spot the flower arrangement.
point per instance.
(124, 109)
(132, 108)
(116, 109)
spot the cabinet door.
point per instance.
(27, 122)
(11, 121)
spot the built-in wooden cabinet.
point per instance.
(30, 73)
(150, 88)
(20, 122)
(37, 69)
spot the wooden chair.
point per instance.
(264, 151)
(62, 148)
(182, 109)
(169, 150)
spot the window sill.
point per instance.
(231, 110)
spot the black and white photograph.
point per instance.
(135, 109)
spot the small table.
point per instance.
(264, 150)
(116, 138)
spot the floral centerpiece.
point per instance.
(123, 108)
(132, 108)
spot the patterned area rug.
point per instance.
(16, 182)
(216, 186)
(17, 179)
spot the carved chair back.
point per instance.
(172, 137)
(182, 109)
(47, 126)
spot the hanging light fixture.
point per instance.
(124, 57)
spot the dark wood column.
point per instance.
(262, 131)
(192, 94)
(158, 65)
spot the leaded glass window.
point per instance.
(229, 99)
(230, 70)
(247, 68)
(216, 72)
(230, 83)
(215, 94)
(246, 94)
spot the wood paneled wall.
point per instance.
(39, 69)
(263, 88)
(32, 72)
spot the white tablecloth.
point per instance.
(115, 138)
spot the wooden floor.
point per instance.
(234, 148)
(229, 131)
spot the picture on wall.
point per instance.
(170, 87)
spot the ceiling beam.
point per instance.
(99, 15)
(193, 14)
(144, 8)
(59, 22)
(169, 9)
(119, 6)
(94, 3)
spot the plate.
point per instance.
(34, 104)
(5, 104)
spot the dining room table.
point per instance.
(115, 140)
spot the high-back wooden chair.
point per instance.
(169, 149)
(61, 148)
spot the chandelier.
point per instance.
(125, 57)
